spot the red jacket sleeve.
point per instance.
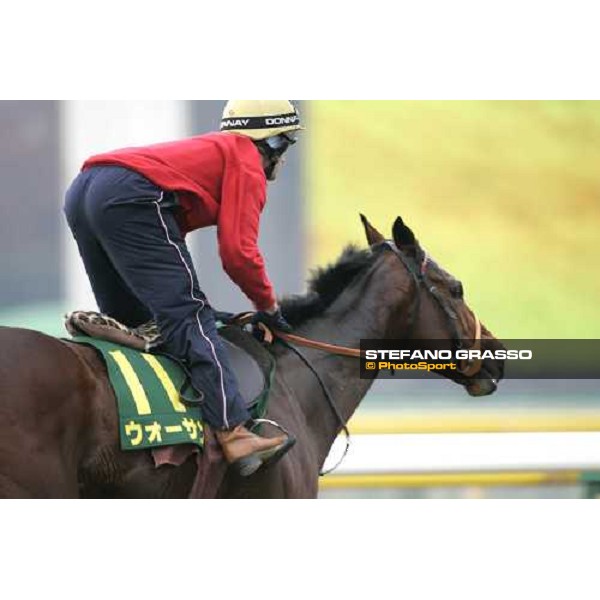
(242, 200)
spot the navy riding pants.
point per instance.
(140, 268)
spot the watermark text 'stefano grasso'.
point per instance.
(523, 359)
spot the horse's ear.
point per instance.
(373, 236)
(404, 238)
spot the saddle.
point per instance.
(252, 363)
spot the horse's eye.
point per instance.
(456, 290)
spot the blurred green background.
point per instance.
(504, 194)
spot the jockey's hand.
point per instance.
(223, 316)
(273, 319)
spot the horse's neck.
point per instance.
(360, 313)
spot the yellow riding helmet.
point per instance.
(260, 119)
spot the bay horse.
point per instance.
(58, 420)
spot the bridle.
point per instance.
(467, 368)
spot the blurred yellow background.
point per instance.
(505, 195)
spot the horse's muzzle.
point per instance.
(487, 380)
(481, 387)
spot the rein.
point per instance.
(308, 343)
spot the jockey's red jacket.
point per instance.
(219, 180)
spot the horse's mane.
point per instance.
(325, 285)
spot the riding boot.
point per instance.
(247, 452)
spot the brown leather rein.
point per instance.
(470, 368)
(308, 343)
(270, 334)
(467, 367)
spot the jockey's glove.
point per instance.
(272, 319)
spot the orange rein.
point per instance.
(331, 348)
(471, 366)
(245, 318)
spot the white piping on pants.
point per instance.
(187, 268)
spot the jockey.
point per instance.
(130, 210)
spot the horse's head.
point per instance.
(437, 309)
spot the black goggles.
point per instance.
(280, 143)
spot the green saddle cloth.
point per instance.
(147, 388)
